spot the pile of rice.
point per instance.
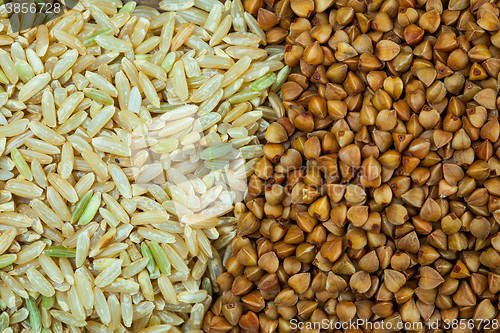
(126, 137)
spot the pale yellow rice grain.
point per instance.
(63, 187)
(46, 134)
(115, 208)
(58, 204)
(150, 217)
(6, 239)
(67, 270)
(115, 312)
(14, 128)
(95, 162)
(179, 80)
(41, 284)
(126, 308)
(102, 308)
(121, 181)
(30, 252)
(149, 90)
(42, 40)
(51, 269)
(75, 304)
(82, 249)
(13, 284)
(167, 289)
(83, 283)
(67, 318)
